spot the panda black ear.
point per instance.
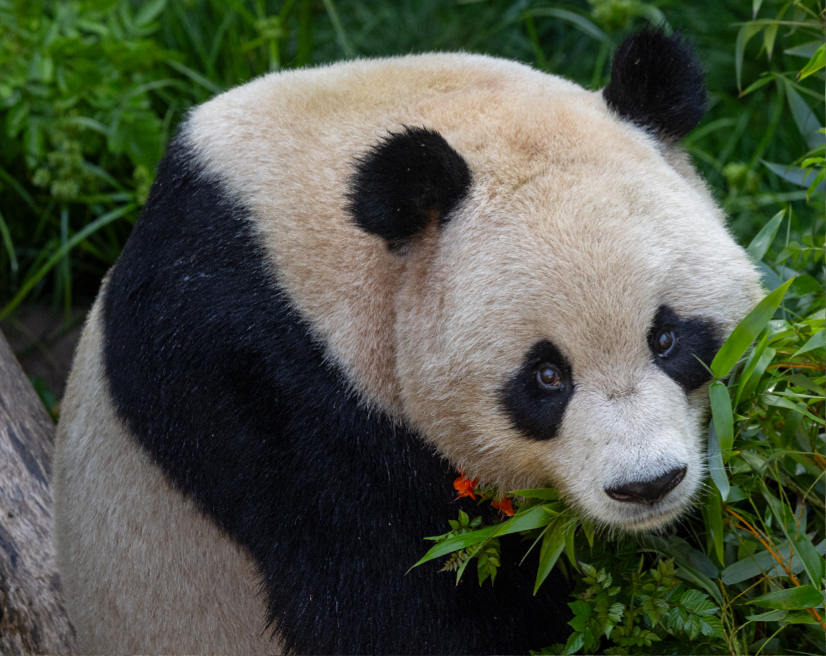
(657, 83)
(407, 181)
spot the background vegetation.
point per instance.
(91, 90)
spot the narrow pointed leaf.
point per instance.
(805, 119)
(723, 419)
(760, 244)
(747, 331)
(806, 596)
(818, 340)
(817, 61)
(714, 521)
(552, 547)
(716, 466)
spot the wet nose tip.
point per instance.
(648, 492)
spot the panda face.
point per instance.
(558, 335)
(460, 262)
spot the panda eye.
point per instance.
(549, 377)
(664, 342)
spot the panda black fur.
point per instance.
(336, 271)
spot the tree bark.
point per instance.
(33, 617)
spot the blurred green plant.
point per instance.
(802, 21)
(91, 90)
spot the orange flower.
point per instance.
(504, 505)
(464, 486)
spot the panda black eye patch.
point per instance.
(676, 344)
(536, 395)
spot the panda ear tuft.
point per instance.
(404, 183)
(657, 83)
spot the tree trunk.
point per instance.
(33, 617)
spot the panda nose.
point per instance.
(648, 492)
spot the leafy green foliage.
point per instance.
(92, 90)
(648, 607)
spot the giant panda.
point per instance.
(349, 283)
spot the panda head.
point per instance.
(564, 283)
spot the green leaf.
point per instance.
(806, 50)
(716, 466)
(714, 521)
(794, 174)
(743, 37)
(9, 245)
(149, 11)
(746, 331)
(764, 563)
(799, 618)
(570, 551)
(574, 644)
(816, 341)
(783, 402)
(552, 547)
(760, 82)
(755, 7)
(805, 119)
(457, 542)
(806, 596)
(760, 244)
(813, 562)
(580, 22)
(768, 38)
(817, 61)
(535, 517)
(697, 578)
(757, 370)
(343, 41)
(723, 419)
(768, 616)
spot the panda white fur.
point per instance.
(349, 282)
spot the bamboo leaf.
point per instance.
(747, 331)
(755, 7)
(149, 11)
(743, 37)
(816, 341)
(716, 466)
(806, 596)
(578, 21)
(723, 418)
(783, 402)
(817, 61)
(805, 119)
(769, 35)
(714, 521)
(760, 244)
(764, 563)
(535, 517)
(552, 547)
